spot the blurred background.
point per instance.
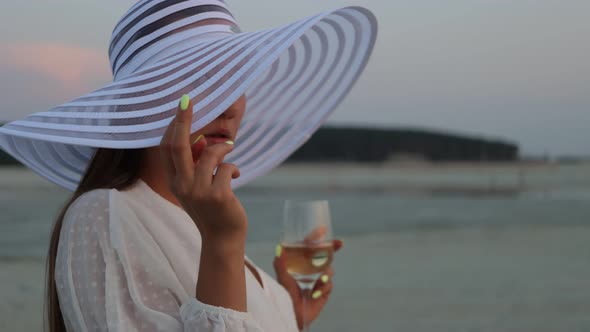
(458, 169)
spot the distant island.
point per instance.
(372, 145)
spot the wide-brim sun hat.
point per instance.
(293, 77)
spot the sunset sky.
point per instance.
(516, 70)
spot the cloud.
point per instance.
(74, 70)
(37, 76)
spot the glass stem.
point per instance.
(306, 289)
(304, 317)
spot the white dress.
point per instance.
(129, 261)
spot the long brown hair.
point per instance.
(108, 169)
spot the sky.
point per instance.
(500, 69)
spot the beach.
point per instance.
(418, 260)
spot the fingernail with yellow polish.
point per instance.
(325, 278)
(229, 142)
(278, 251)
(316, 295)
(198, 139)
(184, 102)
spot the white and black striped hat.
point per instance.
(294, 76)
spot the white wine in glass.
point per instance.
(306, 263)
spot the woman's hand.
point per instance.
(305, 312)
(207, 198)
(210, 202)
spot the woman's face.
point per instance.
(220, 130)
(225, 127)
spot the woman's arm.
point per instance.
(221, 274)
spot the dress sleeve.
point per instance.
(102, 287)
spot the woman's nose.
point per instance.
(228, 114)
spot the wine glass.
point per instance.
(307, 242)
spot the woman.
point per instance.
(166, 209)
(153, 236)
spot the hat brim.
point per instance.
(293, 76)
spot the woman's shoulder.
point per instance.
(86, 222)
(92, 202)
(102, 206)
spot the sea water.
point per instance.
(456, 248)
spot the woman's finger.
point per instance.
(338, 244)
(316, 235)
(325, 278)
(225, 173)
(165, 154)
(180, 144)
(198, 147)
(322, 291)
(283, 277)
(211, 157)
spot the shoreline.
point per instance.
(469, 179)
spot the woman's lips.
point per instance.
(219, 135)
(216, 139)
